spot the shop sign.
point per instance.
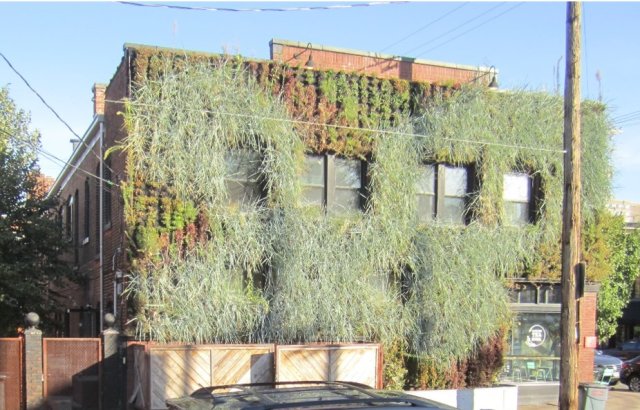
(536, 336)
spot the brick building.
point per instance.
(99, 248)
(93, 212)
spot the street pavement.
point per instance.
(619, 398)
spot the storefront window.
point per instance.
(534, 348)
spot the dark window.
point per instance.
(97, 210)
(87, 210)
(108, 189)
(336, 183)
(68, 220)
(76, 228)
(528, 294)
(552, 294)
(441, 193)
(243, 177)
(517, 198)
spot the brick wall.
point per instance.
(115, 238)
(98, 98)
(587, 325)
(87, 159)
(384, 66)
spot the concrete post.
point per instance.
(33, 375)
(112, 375)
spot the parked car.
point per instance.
(606, 368)
(630, 345)
(630, 373)
(299, 395)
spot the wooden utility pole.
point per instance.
(571, 215)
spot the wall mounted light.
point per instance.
(493, 85)
(310, 63)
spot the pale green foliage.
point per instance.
(376, 275)
(622, 266)
(519, 131)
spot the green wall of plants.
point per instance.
(279, 271)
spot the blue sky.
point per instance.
(63, 48)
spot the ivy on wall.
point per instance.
(279, 271)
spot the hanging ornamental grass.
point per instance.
(281, 271)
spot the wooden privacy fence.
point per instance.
(11, 373)
(69, 362)
(354, 363)
(159, 371)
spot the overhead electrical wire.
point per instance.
(54, 158)
(346, 127)
(585, 47)
(262, 10)
(472, 28)
(471, 20)
(81, 140)
(626, 117)
(39, 96)
(429, 24)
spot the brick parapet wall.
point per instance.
(377, 65)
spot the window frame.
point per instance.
(440, 194)
(531, 202)
(87, 211)
(75, 228)
(68, 220)
(330, 186)
(258, 180)
(107, 199)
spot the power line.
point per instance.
(346, 127)
(584, 37)
(81, 140)
(39, 96)
(429, 24)
(54, 158)
(454, 29)
(260, 10)
(625, 117)
(473, 28)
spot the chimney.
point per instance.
(98, 98)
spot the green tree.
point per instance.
(30, 237)
(613, 258)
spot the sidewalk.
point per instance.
(620, 398)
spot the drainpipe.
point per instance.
(101, 224)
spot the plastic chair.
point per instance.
(517, 374)
(605, 376)
(531, 370)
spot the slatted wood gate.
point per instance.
(71, 369)
(361, 363)
(166, 371)
(11, 397)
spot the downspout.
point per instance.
(101, 224)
